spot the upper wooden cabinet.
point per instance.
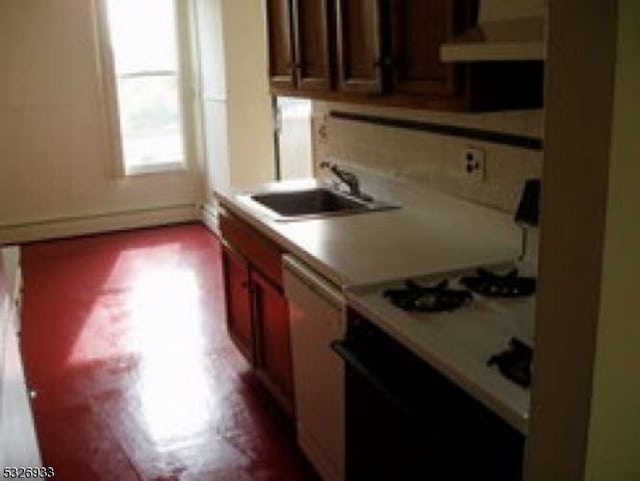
(313, 28)
(387, 52)
(281, 49)
(418, 29)
(301, 44)
(361, 52)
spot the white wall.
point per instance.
(249, 101)
(54, 157)
(213, 94)
(614, 436)
(235, 93)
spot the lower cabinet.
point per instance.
(238, 301)
(273, 347)
(257, 310)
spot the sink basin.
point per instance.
(313, 202)
(306, 202)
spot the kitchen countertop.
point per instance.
(364, 253)
(438, 235)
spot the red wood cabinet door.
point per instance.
(360, 37)
(273, 348)
(313, 29)
(281, 47)
(238, 300)
(418, 29)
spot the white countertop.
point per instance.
(439, 234)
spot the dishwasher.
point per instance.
(316, 310)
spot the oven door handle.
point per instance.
(355, 362)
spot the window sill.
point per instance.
(168, 167)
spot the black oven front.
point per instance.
(405, 421)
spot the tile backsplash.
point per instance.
(433, 160)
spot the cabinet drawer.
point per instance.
(262, 253)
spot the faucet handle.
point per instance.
(325, 164)
(349, 179)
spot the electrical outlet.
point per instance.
(473, 164)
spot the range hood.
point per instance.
(507, 30)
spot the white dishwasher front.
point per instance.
(316, 312)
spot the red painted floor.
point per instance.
(125, 343)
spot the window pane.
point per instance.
(150, 120)
(143, 35)
(294, 138)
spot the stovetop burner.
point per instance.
(515, 362)
(496, 285)
(428, 299)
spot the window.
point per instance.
(147, 84)
(294, 143)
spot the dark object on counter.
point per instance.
(515, 362)
(428, 299)
(491, 284)
(529, 206)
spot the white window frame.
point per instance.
(186, 99)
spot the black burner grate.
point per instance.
(515, 362)
(428, 299)
(497, 285)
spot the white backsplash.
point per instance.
(433, 161)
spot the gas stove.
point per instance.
(458, 331)
(474, 324)
(503, 291)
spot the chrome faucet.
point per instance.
(348, 178)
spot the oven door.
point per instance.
(406, 421)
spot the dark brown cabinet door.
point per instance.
(238, 299)
(313, 29)
(281, 52)
(419, 28)
(273, 349)
(360, 36)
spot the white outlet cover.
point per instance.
(473, 163)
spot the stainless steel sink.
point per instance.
(312, 202)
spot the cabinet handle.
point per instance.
(383, 62)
